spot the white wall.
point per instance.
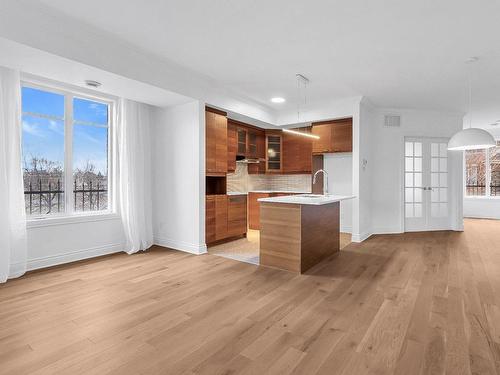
(339, 168)
(178, 152)
(49, 245)
(483, 208)
(386, 164)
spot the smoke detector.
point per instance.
(93, 84)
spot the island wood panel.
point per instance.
(320, 233)
(280, 236)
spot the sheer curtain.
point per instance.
(134, 174)
(12, 215)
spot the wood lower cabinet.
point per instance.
(220, 217)
(215, 142)
(210, 218)
(236, 215)
(334, 136)
(225, 217)
(254, 209)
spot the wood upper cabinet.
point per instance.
(274, 151)
(297, 152)
(215, 142)
(241, 136)
(236, 215)
(342, 136)
(335, 136)
(232, 146)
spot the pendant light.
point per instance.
(471, 138)
(301, 81)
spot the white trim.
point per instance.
(360, 237)
(57, 220)
(180, 245)
(73, 256)
(481, 217)
(386, 230)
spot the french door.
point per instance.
(426, 181)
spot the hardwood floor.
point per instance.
(420, 303)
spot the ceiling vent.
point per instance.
(392, 121)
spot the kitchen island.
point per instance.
(299, 231)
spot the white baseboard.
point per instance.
(386, 230)
(73, 256)
(180, 245)
(489, 217)
(356, 237)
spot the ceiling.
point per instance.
(396, 53)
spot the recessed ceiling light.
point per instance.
(92, 83)
(278, 100)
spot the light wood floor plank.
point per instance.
(415, 303)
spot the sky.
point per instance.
(44, 137)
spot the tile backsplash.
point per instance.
(241, 181)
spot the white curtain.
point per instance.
(12, 215)
(134, 174)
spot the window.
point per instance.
(65, 144)
(482, 172)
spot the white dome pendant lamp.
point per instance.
(471, 138)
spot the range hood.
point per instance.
(245, 160)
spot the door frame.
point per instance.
(451, 197)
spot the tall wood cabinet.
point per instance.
(216, 142)
(334, 136)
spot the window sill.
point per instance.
(71, 219)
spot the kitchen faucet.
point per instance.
(326, 177)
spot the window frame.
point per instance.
(70, 215)
(487, 179)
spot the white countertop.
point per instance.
(310, 199)
(267, 191)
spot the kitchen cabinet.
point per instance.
(254, 209)
(242, 141)
(225, 217)
(236, 215)
(232, 146)
(297, 153)
(334, 136)
(220, 217)
(210, 218)
(215, 142)
(274, 143)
